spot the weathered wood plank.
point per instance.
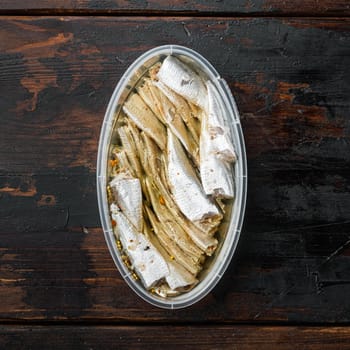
(57, 75)
(289, 78)
(174, 337)
(254, 7)
(295, 275)
(277, 199)
(48, 202)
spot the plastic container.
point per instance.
(229, 233)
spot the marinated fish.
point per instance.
(176, 124)
(200, 232)
(148, 93)
(185, 186)
(171, 176)
(171, 227)
(171, 247)
(220, 139)
(216, 174)
(130, 151)
(188, 115)
(137, 110)
(178, 276)
(148, 263)
(183, 80)
(216, 149)
(128, 196)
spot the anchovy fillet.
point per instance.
(176, 124)
(171, 247)
(146, 260)
(216, 150)
(130, 150)
(216, 175)
(128, 195)
(178, 276)
(173, 230)
(220, 138)
(137, 110)
(148, 93)
(183, 109)
(185, 185)
(200, 233)
(183, 80)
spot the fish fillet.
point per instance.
(183, 80)
(178, 276)
(216, 174)
(137, 110)
(185, 186)
(128, 195)
(183, 109)
(147, 262)
(220, 138)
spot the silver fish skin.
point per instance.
(185, 186)
(149, 94)
(183, 80)
(220, 138)
(183, 109)
(216, 174)
(178, 276)
(128, 195)
(147, 262)
(177, 126)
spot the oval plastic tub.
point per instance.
(229, 233)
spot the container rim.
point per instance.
(237, 215)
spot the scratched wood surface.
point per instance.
(178, 337)
(198, 7)
(290, 77)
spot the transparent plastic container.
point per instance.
(230, 229)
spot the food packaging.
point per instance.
(230, 228)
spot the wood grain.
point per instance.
(57, 75)
(298, 275)
(184, 337)
(289, 78)
(199, 7)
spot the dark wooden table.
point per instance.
(287, 64)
